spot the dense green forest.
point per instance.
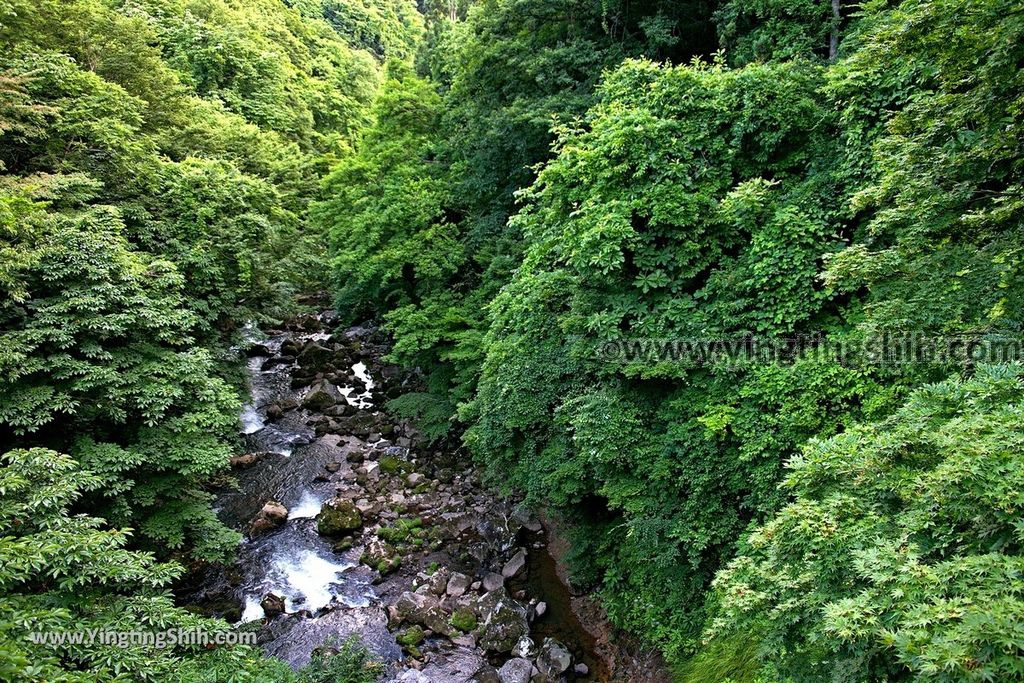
(521, 191)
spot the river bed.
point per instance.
(460, 576)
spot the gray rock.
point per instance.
(502, 622)
(425, 610)
(525, 648)
(460, 665)
(465, 641)
(581, 669)
(554, 659)
(514, 565)
(458, 584)
(492, 582)
(438, 581)
(322, 396)
(314, 357)
(540, 609)
(516, 670)
(381, 555)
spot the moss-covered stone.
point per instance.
(402, 531)
(411, 636)
(463, 619)
(392, 465)
(338, 517)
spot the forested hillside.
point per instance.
(559, 180)
(547, 205)
(157, 160)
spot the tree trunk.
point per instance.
(833, 38)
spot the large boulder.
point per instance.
(338, 517)
(502, 622)
(315, 357)
(321, 396)
(424, 609)
(554, 660)
(515, 670)
(272, 605)
(515, 564)
(271, 516)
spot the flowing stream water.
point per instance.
(328, 594)
(295, 562)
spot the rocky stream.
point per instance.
(355, 527)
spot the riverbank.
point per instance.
(355, 527)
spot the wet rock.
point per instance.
(321, 396)
(332, 467)
(515, 670)
(276, 361)
(338, 517)
(271, 516)
(257, 350)
(554, 659)
(502, 622)
(457, 585)
(246, 460)
(274, 412)
(492, 581)
(581, 669)
(315, 357)
(272, 605)
(290, 347)
(514, 565)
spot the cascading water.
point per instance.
(427, 542)
(294, 562)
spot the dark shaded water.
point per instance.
(560, 621)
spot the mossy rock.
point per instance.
(463, 619)
(386, 566)
(338, 517)
(411, 637)
(392, 465)
(402, 531)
